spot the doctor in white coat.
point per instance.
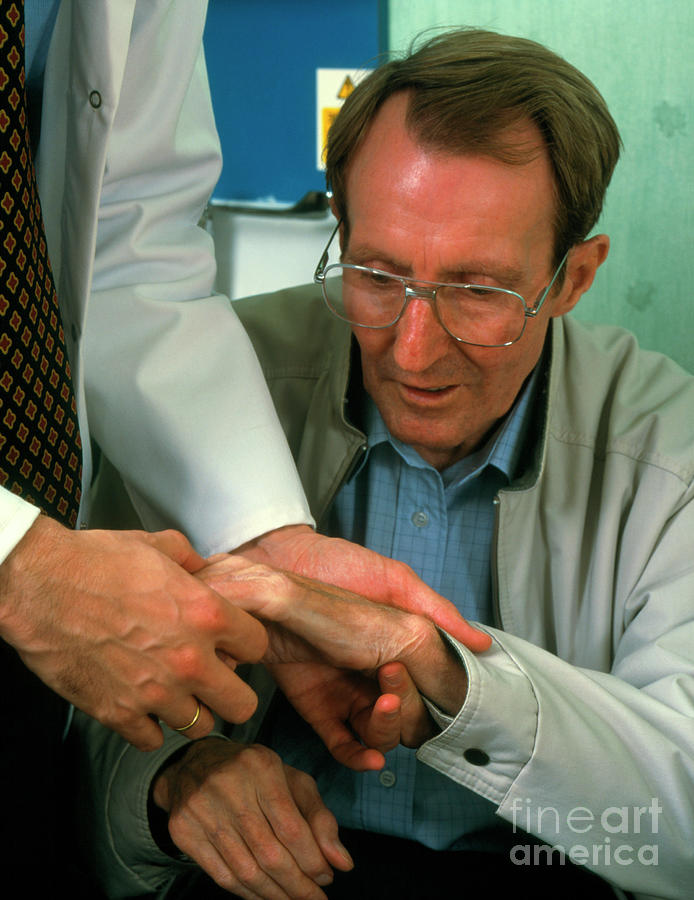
(167, 386)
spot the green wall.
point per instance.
(639, 55)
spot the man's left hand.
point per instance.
(313, 623)
(299, 549)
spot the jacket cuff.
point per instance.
(486, 745)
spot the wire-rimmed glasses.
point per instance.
(470, 313)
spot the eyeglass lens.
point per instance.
(478, 315)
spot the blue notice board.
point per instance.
(262, 57)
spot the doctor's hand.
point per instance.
(258, 827)
(313, 623)
(299, 549)
(116, 624)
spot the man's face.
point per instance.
(466, 219)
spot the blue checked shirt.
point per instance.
(440, 524)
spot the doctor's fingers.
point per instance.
(219, 690)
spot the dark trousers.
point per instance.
(388, 868)
(36, 839)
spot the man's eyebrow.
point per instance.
(363, 253)
(500, 272)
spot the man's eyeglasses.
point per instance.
(470, 313)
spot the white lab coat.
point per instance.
(166, 381)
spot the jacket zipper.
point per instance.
(496, 609)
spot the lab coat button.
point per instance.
(476, 757)
(95, 99)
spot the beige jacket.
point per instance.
(584, 705)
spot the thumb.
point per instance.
(177, 547)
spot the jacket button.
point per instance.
(95, 99)
(476, 757)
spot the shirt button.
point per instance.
(420, 518)
(95, 99)
(387, 778)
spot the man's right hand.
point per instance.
(116, 623)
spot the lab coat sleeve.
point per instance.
(175, 395)
(16, 518)
(599, 764)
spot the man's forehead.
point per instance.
(517, 141)
(393, 176)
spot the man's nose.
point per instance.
(420, 339)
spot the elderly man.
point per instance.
(444, 411)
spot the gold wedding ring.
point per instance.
(192, 721)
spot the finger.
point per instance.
(227, 694)
(323, 825)
(177, 547)
(218, 868)
(144, 733)
(196, 722)
(260, 862)
(419, 598)
(380, 726)
(346, 748)
(414, 718)
(242, 637)
(458, 628)
(286, 815)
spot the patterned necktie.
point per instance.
(40, 449)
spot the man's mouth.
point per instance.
(414, 390)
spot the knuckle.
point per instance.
(188, 662)
(303, 783)
(290, 830)
(257, 756)
(271, 857)
(155, 695)
(247, 871)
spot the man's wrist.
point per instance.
(280, 548)
(443, 680)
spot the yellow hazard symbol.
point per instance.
(328, 115)
(346, 89)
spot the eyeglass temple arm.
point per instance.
(319, 274)
(532, 312)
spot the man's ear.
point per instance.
(582, 264)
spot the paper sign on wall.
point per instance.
(333, 86)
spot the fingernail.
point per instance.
(324, 880)
(344, 853)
